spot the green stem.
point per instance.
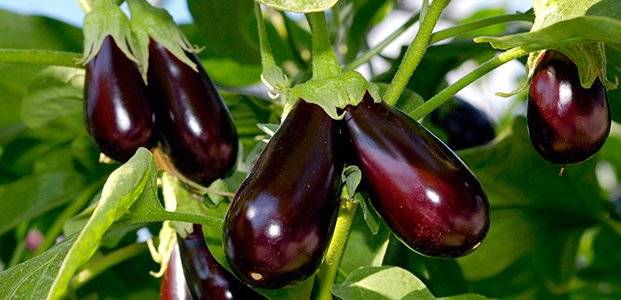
(40, 57)
(97, 266)
(327, 271)
(463, 28)
(267, 58)
(439, 99)
(325, 63)
(365, 57)
(71, 210)
(415, 52)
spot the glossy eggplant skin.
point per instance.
(196, 128)
(566, 122)
(465, 125)
(207, 279)
(173, 285)
(117, 113)
(282, 217)
(422, 190)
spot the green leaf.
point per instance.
(228, 72)
(362, 249)
(124, 186)
(56, 93)
(229, 27)
(32, 278)
(42, 32)
(301, 6)
(32, 196)
(381, 283)
(335, 92)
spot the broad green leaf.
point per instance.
(55, 94)
(301, 6)
(228, 72)
(32, 278)
(385, 283)
(228, 26)
(41, 32)
(124, 186)
(35, 195)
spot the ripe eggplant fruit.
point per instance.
(117, 113)
(196, 128)
(173, 285)
(566, 122)
(206, 278)
(465, 125)
(282, 217)
(423, 191)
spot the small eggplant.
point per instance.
(196, 128)
(566, 122)
(282, 217)
(465, 125)
(206, 278)
(117, 112)
(174, 286)
(423, 191)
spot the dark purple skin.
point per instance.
(207, 279)
(173, 285)
(465, 125)
(196, 128)
(422, 190)
(282, 217)
(117, 112)
(566, 122)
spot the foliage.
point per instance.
(551, 236)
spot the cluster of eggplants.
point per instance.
(465, 125)
(566, 122)
(179, 106)
(281, 218)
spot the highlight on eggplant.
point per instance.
(117, 113)
(281, 220)
(421, 189)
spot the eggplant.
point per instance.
(566, 122)
(173, 285)
(196, 128)
(117, 112)
(282, 217)
(421, 189)
(465, 125)
(206, 278)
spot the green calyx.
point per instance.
(148, 23)
(332, 93)
(106, 19)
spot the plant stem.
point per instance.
(459, 29)
(415, 52)
(97, 266)
(439, 99)
(365, 57)
(267, 58)
(325, 63)
(68, 212)
(327, 271)
(40, 57)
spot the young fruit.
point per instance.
(566, 122)
(423, 191)
(465, 125)
(206, 278)
(117, 113)
(282, 217)
(173, 285)
(196, 128)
